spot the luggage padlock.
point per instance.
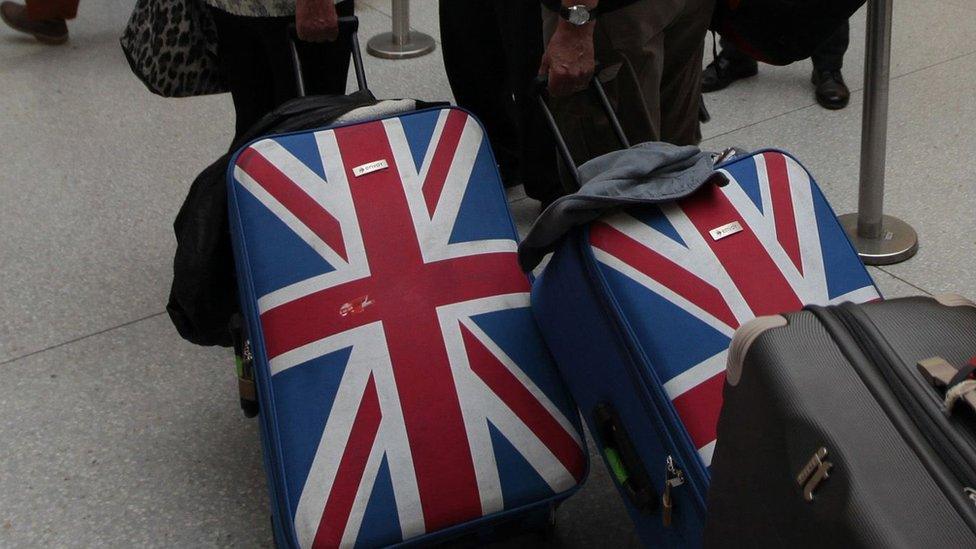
(674, 477)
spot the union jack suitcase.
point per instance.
(406, 394)
(639, 308)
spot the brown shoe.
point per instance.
(48, 31)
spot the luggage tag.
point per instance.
(958, 383)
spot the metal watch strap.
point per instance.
(564, 12)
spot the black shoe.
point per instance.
(724, 70)
(48, 31)
(832, 92)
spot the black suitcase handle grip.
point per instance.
(347, 25)
(625, 464)
(540, 89)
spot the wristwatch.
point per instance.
(579, 14)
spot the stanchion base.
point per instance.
(898, 241)
(383, 45)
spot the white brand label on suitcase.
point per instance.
(729, 229)
(375, 166)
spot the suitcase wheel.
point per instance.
(249, 407)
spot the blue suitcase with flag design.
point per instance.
(405, 392)
(639, 308)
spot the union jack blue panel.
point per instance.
(405, 388)
(687, 274)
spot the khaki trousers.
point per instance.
(663, 41)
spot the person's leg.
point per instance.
(635, 33)
(475, 63)
(681, 78)
(727, 48)
(326, 65)
(520, 31)
(245, 67)
(831, 90)
(729, 65)
(830, 55)
(41, 10)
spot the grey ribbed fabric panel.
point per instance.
(799, 391)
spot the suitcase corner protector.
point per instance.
(954, 300)
(743, 339)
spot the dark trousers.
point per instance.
(254, 57)
(492, 50)
(40, 10)
(662, 42)
(828, 57)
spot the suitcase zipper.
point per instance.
(946, 440)
(673, 477)
(652, 399)
(925, 435)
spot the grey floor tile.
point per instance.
(423, 14)
(95, 168)
(134, 438)
(916, 44)
(967, 4)
(928, 180)
(128, 439)
(892, 287)
(421, 77)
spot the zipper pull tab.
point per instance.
(248, 356)
(666, 505)
(673, 478)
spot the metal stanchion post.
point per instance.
(402, 43)
(879, 239)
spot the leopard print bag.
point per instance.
(171, 45)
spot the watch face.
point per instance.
(579, 15)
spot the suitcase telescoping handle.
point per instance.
(540, 90)
(625, 463)
(347, 25)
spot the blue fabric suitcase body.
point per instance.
(640, 306)
(406, 394)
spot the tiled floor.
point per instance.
(114, 432)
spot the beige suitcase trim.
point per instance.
(744, 336)
(954, 300)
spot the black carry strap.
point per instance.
(540, 90)
(347, 25)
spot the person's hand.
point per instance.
(316, 20)
(568, 61)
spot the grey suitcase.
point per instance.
(835, 433)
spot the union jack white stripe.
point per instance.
(775, 264)
(435, 417)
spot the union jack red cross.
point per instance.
(412, 391)
(687, 274)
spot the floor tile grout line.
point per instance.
(80, 338)
(900, 279)
(861, 89)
